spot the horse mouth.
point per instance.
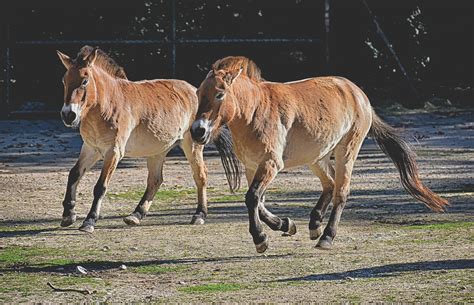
(202, 140)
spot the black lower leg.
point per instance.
(255, 227)
(317, 214)
(330, 231)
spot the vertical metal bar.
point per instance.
(327, 29)
(7, 71)
(173, 38)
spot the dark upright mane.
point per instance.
(250, 68)
(103, 60)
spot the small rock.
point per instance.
(133, 249)
(81, 270)
(106, 248)
(356, 247)
(123, 267)
(350, 278)
(182, 282)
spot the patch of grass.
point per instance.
(157, 269)
(26, 284)
(211, 288)
(162, 195)
(226, 198)
(37, 256)
(443, 226)
(389, 298)
(19, 255)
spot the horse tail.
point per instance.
(230, 162)
(404, 159)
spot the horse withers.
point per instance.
(283, 125)
(119, 118)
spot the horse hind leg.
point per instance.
(154, 181)
(324, 170)
(194, 155)
(275, 223)
(345, 155)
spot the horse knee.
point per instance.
(99, 190)
(251, 199)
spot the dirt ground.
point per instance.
(389, 247)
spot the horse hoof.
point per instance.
(315, 233)
(291, 227)
(263, 246)
(324, 244)
(131, 220)
(87, 228)
(68, 220)
(197, 220)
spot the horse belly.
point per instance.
(303, 148)
(144, 143)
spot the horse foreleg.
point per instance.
(272, 221)
(154, 181)
(194, 154)
(325, 172)
(112, 158)
(87, 158)
(264, 175)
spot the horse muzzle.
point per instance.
(201, 131)
(70, 114)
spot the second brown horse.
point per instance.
(283, 125)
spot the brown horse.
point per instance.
(282, 125)
(121, 118)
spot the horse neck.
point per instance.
(109, 92)
(248, 96)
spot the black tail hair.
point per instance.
(404, 159)
(232, 165)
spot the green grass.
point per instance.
(20, 255)
(443, 226)
(162, 195)
(226, 198)
(37, 256)
(211, 288)
(157, 269)
(27, 284)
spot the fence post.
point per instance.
(327, 29)
(7, 77)
(173, 38)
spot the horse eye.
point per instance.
(220, 96)
(84, 83)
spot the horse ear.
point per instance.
(232, 75)
(66, 60)
(210, 73)
(90, 59)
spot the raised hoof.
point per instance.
(315, 233)
(68, 220)
(87, 228)
(131, 220)
(263, 246)
(197, 220)
(324, 244)
(291, 227)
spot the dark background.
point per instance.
(432, 38)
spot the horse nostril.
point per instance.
(68, 117)
(199, 132)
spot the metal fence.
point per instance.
(171, 43)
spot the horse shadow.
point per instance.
(387, 270)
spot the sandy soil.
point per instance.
(388, 248)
